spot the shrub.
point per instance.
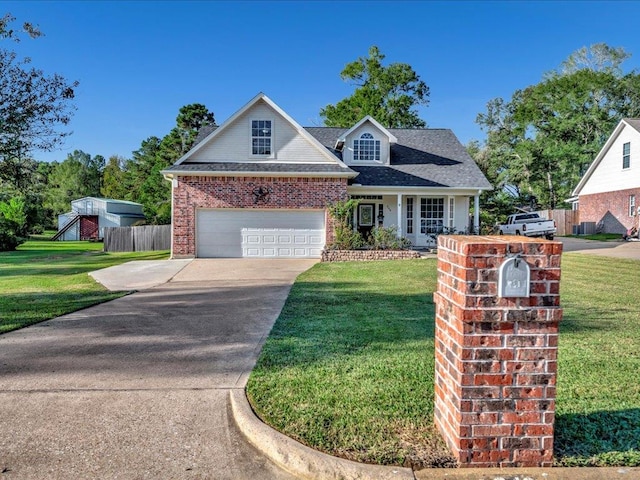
(345, 237)
(386, 238)
(9, 239)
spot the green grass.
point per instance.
(348, 367)
(598, 402)
(44, 279)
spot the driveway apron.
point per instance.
(138, 387)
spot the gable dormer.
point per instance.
(366, 143)
(260, 132)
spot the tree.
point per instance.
(599, 57)
(541, 142)
(27, 179)
(32, 105)
(113, 178)
(13, 223)
(144, 178)
(387, 93)
(79, 175)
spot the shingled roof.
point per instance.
(634, 122)
(431, 157)
(421, 158)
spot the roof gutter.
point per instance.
(170, 174)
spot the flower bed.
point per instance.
(366, 255)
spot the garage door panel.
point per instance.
(259, 233)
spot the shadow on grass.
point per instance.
(610, 438)
(70, 264)
(576, 319)
(321, 321)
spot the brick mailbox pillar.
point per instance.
(496, 352)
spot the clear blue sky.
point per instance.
(139, 62)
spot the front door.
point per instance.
(366, 216)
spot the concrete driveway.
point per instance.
(138, 387)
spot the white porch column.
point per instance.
(476, 214)
(399, 223)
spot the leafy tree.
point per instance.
(143, 178)
(13, 223)
(113, 178)
(387, 93)
(9, 240)
(33, 108)
(599, 57)
(541, 142)
(14, 211)
(32, 105)
(79, 175)
(345, 236)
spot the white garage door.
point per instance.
(259, 233)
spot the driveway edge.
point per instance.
(299, 459)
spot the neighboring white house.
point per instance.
(90, 215)
(608, 195)
(259, 184)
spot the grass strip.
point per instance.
(348, 367)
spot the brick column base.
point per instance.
(496, 357)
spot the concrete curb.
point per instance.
(299, 459)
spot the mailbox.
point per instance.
(514, 278)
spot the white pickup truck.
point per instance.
(528, 224)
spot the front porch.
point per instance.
(418, 216)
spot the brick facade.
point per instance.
(610, 208)
(496, 358)
(238, 192)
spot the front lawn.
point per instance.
(348, 367)
(44, 279)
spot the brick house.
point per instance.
(609, 192)
(258, 185)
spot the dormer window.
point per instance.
(261, 137)
(366, 148)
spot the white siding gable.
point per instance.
(608, 175)
(366, 127)
(234, 142)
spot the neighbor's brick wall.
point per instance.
(612, 208)
(237, 192)
(496, 358)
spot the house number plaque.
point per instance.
(514, 278)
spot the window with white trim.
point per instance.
(452, 210)
(632, 205)
(431, 215)
(366, 148)
(409, 215)
(261, 137)
(626, 155)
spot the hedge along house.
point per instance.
(259, 184)
(90, 215)
(608, 195)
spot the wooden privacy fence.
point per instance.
(565, 220)
(137, 239)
